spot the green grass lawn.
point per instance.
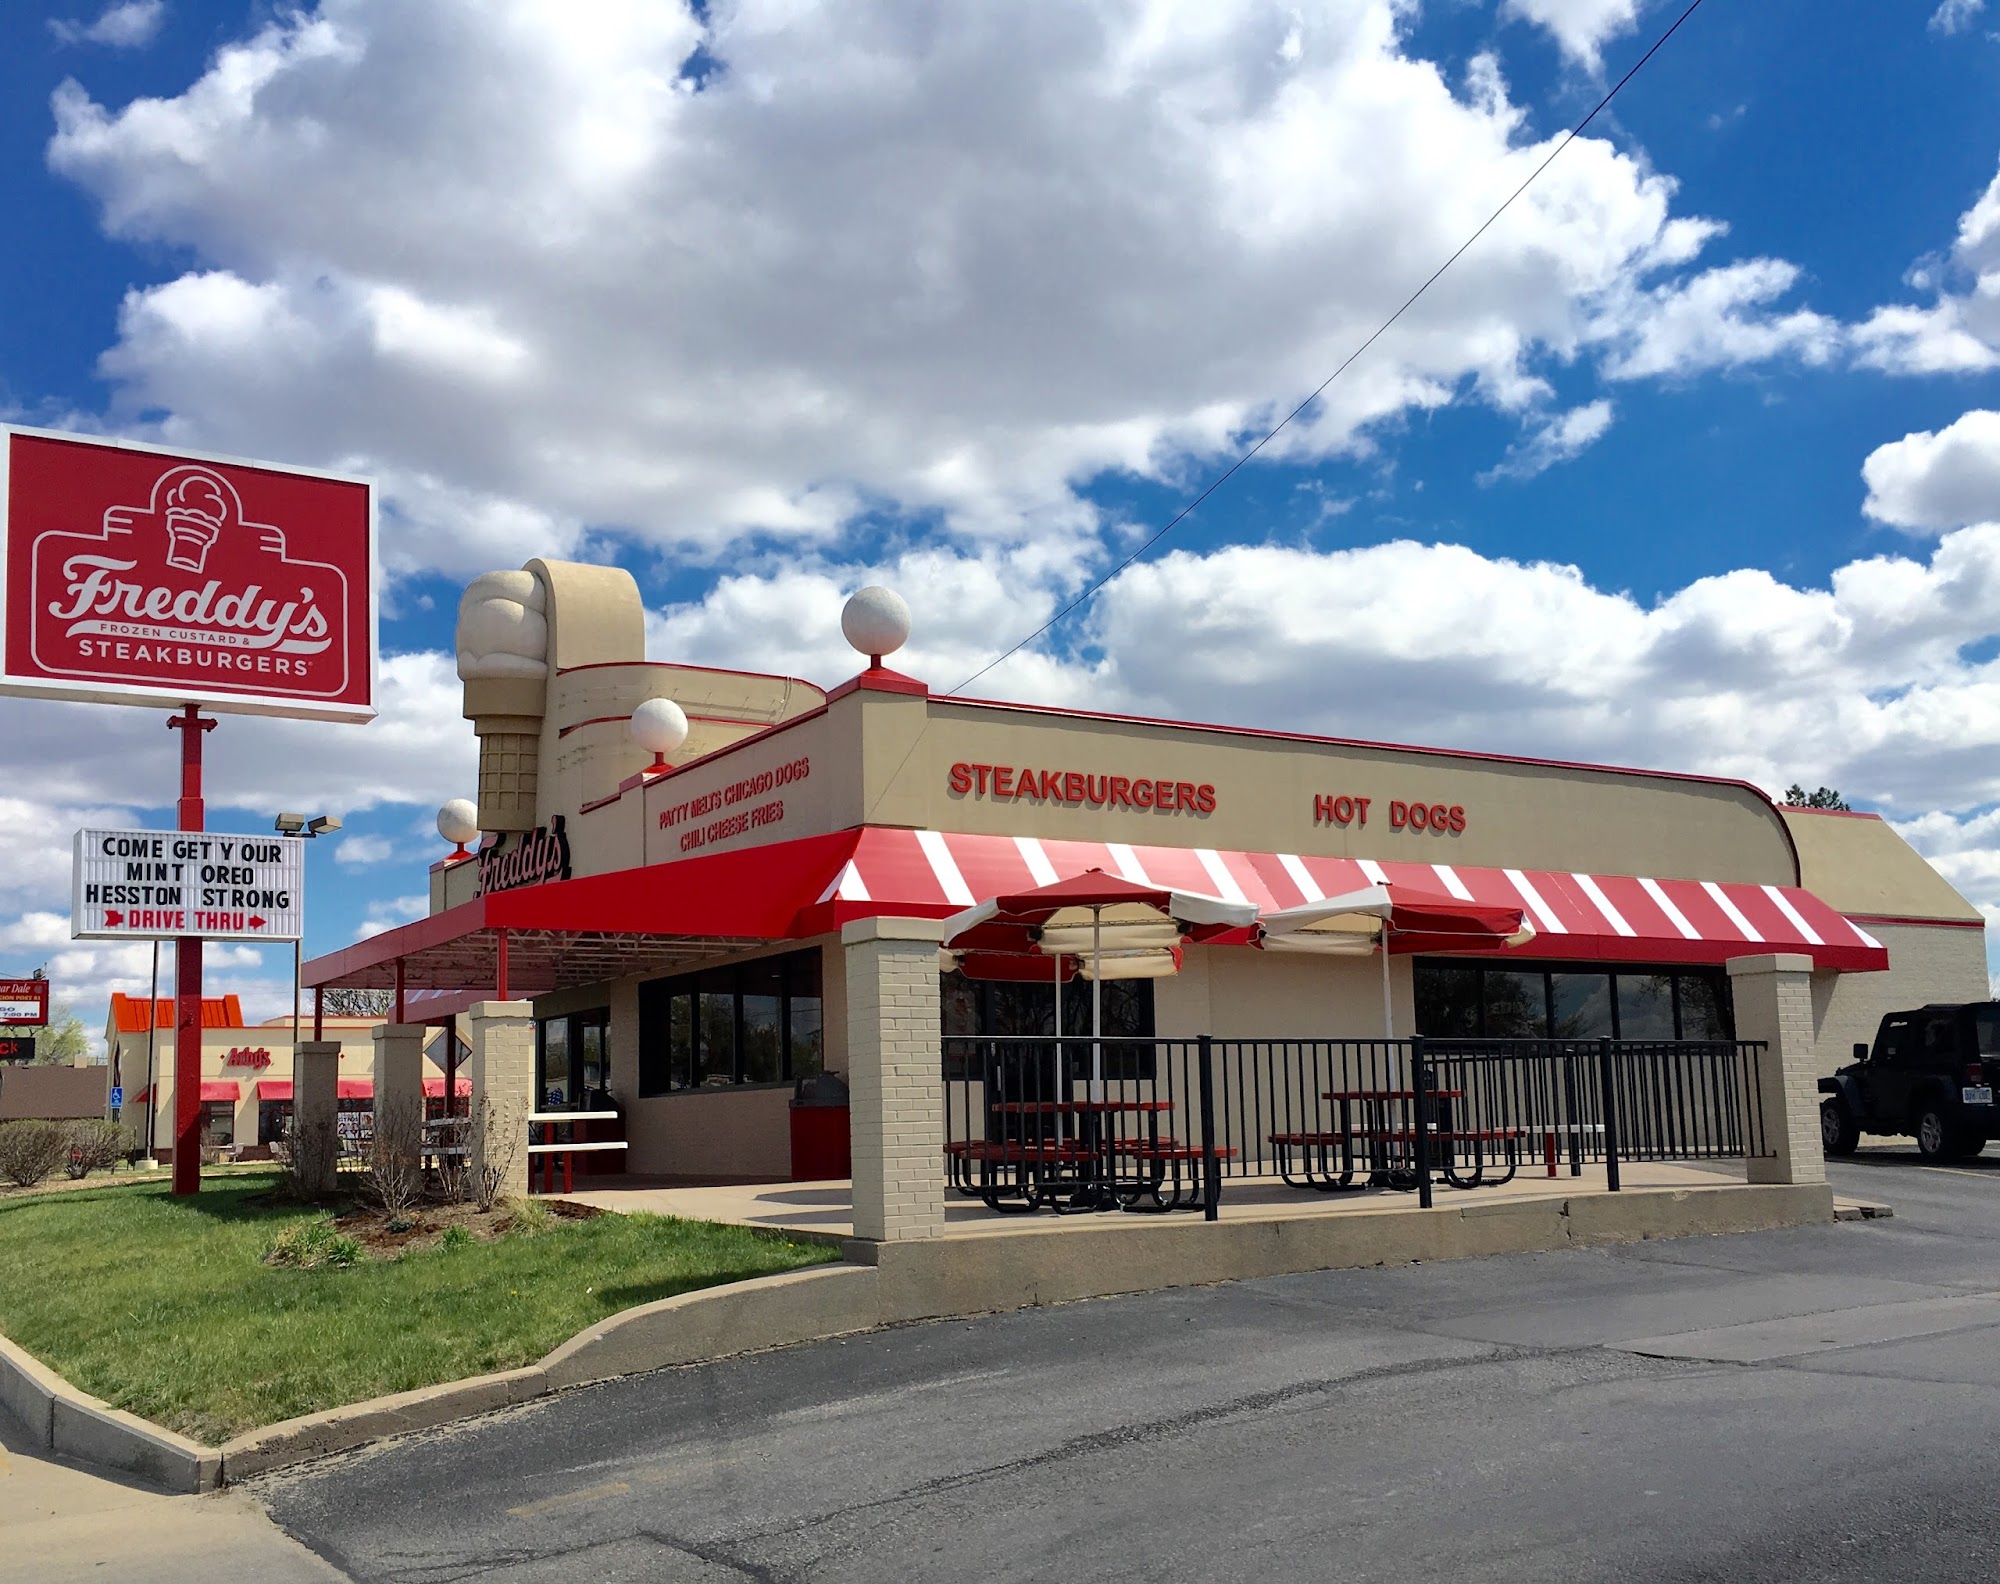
(164, 1307)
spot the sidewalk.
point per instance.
(60, 1523)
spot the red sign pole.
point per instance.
(187, 971)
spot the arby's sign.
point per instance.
(138, 576)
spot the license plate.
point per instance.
(1983, 1095)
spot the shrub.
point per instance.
(313, 1245)
(455, 1237)
(96, 1145)
(29, 1151)
(528, 1216)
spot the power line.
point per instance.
(1382, 329)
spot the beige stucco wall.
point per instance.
(1859, 864)
(1925, 965)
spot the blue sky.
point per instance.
(766, 302)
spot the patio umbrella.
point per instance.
(1116, 928)
(1392, 918)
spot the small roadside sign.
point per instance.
(24, 1001)
(117, 1096)
(153, 885)
(17, 1050)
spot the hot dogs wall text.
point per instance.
(1351, 813)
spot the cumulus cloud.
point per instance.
(387, 913)
(1930, 481)
(1959, 333)
(1720, 318)
(1955, 16)
(1581, 27)
(1562, 437)
(130, 24)
(762, 268)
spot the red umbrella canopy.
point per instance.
(1014, 967)
(1422, 921)
(1091, 899)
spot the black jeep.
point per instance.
(1931, 1075)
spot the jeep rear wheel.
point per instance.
(1838, 1131)
(1934, 1138)
(1969, 1145)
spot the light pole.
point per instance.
(300, 825)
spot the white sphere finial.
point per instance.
(458, 823)
(659, 726)
(876, 622)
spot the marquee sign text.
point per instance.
(1445, 819)
(1081, 788)
(540, 856)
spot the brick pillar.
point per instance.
(315, 1141)
(502, 1070)
(895, 1077)
(1773, 997)
(399, 1090)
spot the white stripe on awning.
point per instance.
(1590, 888)
(1218, 871)
(1785, 907)
(945, 867)
(1666, 905)
(1373, 871)
(1037, 860)
(1716, 895)
(1456, 886)
(1866, 938)
(1129, 865)
(847, 886)
(1301, 877)
(1544, 917)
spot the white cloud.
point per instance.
(1562, 437)
(358, 851)
(386, 913)
(1938, 480)
(1955, 16)
(1959, 333)
(129, 24)
(1581, 27)
(1718, 319)
(515, 263)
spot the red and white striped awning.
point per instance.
(1612, 918)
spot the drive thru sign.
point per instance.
(141, 885)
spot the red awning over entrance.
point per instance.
(575, 932)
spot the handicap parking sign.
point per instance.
(117, 1097)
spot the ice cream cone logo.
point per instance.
(197, 506)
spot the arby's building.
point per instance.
(676, 916)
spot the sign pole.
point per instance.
(187, 972)
(152, 1034)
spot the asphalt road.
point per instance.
(1821, 1404)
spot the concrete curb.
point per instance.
(896, 1283)
(71, 1423)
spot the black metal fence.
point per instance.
(1159, 1124)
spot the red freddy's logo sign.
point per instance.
(138, 576)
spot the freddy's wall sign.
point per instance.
(541, 855)
(137, 576)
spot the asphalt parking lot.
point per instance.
(1814, 1404)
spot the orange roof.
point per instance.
(130, 1013)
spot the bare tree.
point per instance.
(394, 1181)
(356, 1001)
(500, 1134)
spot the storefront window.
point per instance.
(1472, 1001)
(273, 1118)
(970, 1008)
(218, 1123)
(752, 1023)
(1580, 1005)
(571, 1072)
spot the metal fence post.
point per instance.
(1211, 1160)
(1608, 1084)
(1425, 1107)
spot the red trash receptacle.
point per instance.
(820, 1149)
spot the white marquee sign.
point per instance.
(146, 885)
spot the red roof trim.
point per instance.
(1892, 921)
(880, 679)
(1800, 808)
(217, 1012)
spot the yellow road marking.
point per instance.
(576, 1498)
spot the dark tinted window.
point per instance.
(1986, 1029)
(1467, 1001)
(973, 1007)
(1581, 1004)
(1646, 1006)
(751, 1023)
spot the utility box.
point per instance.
(820, 1148)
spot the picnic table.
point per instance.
(1097, 1165)
(1325, 1159)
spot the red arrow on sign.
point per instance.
(256, 922)
(113, 918)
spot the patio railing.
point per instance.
(1034, 1121)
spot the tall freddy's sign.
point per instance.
(134, 575)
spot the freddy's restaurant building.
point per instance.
(676, 919)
